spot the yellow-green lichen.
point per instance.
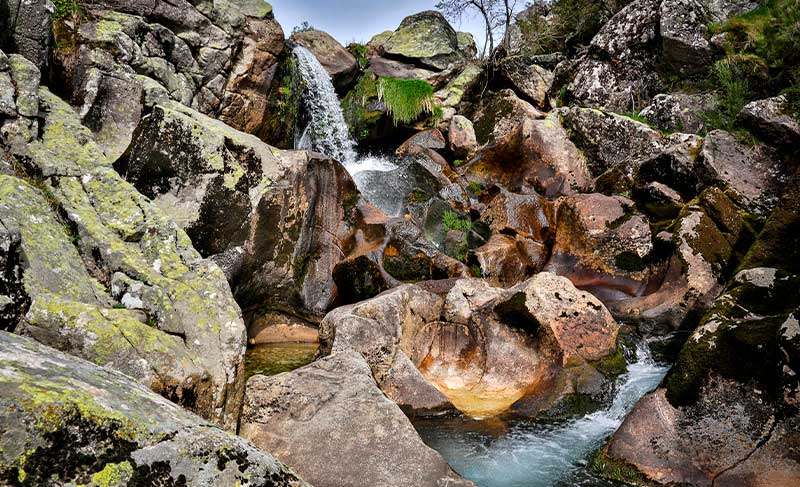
(113, 475)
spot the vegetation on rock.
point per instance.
(407, 99)
(766, 37)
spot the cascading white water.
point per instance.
(326, 131)
(536, 455)
(328, 134)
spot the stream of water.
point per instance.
(327, 132)
(528, 454)
(489, 452)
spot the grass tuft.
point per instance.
(407, 99)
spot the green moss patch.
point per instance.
(453, 221)
(617, 470)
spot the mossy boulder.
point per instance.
(272, 218)
(67, 422)
(426, 39)
(94, 244)
(729, 404)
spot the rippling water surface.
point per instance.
(493, 453)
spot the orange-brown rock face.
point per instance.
(244, 103)
(602, 244)
(536, 156)
(484, 348)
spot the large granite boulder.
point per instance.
(505, 261)
(727, 412)
(333, 423)
(485, 349)
(67, 422)
(27, 29)
(218, 57)
(618, 71)
(532, 81)
(273, 218)
(684, 33)
(498, 114)
(609, 140)
(458, 90)
(679, 112)
(461, 137)
(706, 239)
(756, 175)
(602, 244)
(426, 40)
(617, 148)
(245, 101)
(536, 156)
(336, 60)
(772, 121)
(111, 279)
(527, 215)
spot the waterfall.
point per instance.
(326, 131)
(328, 134)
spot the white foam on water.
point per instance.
(537, 455)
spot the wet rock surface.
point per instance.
(483, 348)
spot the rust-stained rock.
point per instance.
(536, 156)
(602, 244)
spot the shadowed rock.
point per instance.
(97, 426)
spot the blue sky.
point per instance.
(357, 20)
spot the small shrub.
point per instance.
(475, 188)
(304, 27)
(64, 9)
(359, 51)
(453, 221)
(765, 43)
(458, 163)
(406, 99)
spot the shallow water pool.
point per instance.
(275, 358)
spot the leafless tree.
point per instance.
(509, 9)
(456, 9)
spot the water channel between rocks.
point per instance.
(495, 453)
(490, 452)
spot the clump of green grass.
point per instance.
(768, 37)
(407, 99)
(475, 188)
(458, 163)
(64, 8)
(634, 115)
(733, 95)
(453, 221)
